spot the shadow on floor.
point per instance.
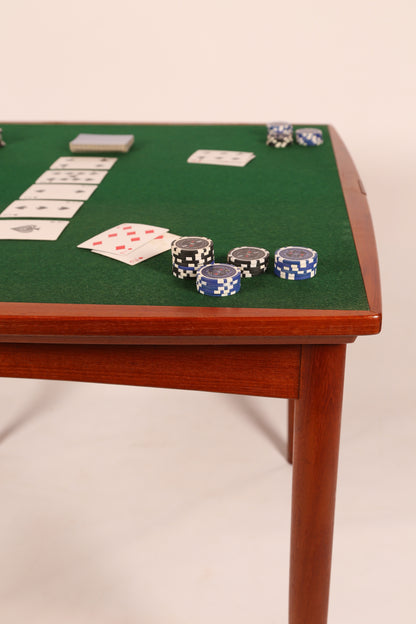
(46, 397)
(248, 410)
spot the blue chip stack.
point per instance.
(279, 134)
(218, 280)
(295, 263)
(189, 253)
(309, 137)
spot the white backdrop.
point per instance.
(180, 511)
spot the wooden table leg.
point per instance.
(317, 421)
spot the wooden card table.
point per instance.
(70, 314)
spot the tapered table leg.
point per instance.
(317, 421)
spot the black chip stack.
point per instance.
(251, 261)
(189, 253)
(279, 134)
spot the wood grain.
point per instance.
(271, 371)
(317, 421)
(42, 319)
(361, 222)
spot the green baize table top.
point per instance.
(290, 196)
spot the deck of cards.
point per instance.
(101, 143)
(130, 243)
(221, 157)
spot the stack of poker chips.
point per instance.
(250, 260)
(279, 134)
(295, 263)
(189, 253)
(218, 280)
(309, 137)
(2, 142)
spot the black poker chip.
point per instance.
(192, 245)
(277, 141)
(251, 260)
(189, 253)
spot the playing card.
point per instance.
(84, 162)
(221, 157)
(154, 247)
(48, 208)
(59, 191)
(23, 229)
(102, 143)
(56, 176)
(123, 238)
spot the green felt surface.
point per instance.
(283, 197)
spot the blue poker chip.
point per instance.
(278, 267)
(219, 272)
(309, 136)
(294, 268)
(291, 269)
(218, 280)
(280, 127)
(214, 285)
(295, 277)
(217, 295)
(218, 291)
(301, 257)
(286, 266)
(210, 284)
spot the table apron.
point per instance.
(257, 370)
